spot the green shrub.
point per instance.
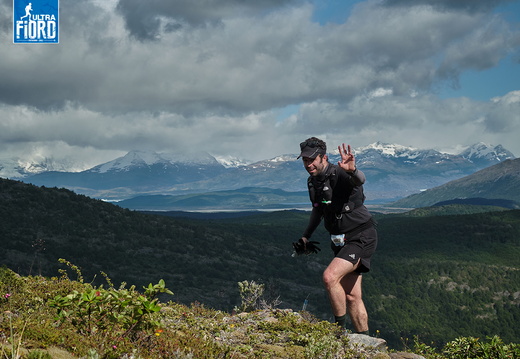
(116, 312)
(471, 348)
(110, 315)
(38, 354)
(250, 293)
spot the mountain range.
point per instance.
(497, 185)
(393, 172)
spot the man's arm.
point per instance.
(314, 222)
(304, 245)
(357, 177)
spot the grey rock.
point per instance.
(368, 341)
(404, 355)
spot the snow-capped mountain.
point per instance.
(131, 159)
(373, 154)
(19, 168)
(484, 153)
(149, 159)
(231, 162)
(392, 171)
(11, 168)
(390, 150)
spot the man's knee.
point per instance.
(329, 279)
(354, 298)
(336, 272)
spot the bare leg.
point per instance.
(332, 277)
(355, 305)
(343, 286)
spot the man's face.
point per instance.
(315, 166)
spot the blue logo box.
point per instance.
(35, 21)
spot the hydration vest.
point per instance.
(321, 194)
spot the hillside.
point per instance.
(249, 198)
(501, 181)
(437, 277)
(62, 318)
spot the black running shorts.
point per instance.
(361, 246)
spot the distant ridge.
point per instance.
(393, 171)
(505, 203)
(501, 181)
(243, 199)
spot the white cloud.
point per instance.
(380, 92)
(176, 77)
(422, 121)
(503, 115)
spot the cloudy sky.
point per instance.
(252, 79)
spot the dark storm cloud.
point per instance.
(144, 19)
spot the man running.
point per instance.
(336, 193)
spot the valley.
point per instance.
(436, 275)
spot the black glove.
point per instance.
(304, 246)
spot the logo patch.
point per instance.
(35, 21)
(353, 256)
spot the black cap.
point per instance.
(310, 149)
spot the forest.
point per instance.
(436, 276)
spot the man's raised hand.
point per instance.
(348, 162)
